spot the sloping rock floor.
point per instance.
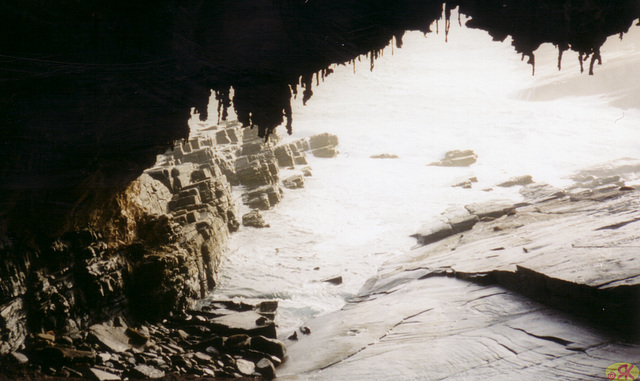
(545, 289)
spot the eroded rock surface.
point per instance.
(549, 287)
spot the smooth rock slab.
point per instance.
(244, 323)
(112, 338)
(443, 328)
(101, 375)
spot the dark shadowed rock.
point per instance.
(111, 338)
(266, 369)
(269, 346)
(335, 280)
(19, 358)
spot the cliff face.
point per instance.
(155, 249)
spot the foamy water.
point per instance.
(419, 102)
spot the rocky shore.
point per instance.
(118, 298)
(546, 288)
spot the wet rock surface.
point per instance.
(549, 287)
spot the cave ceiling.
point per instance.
(92, 91)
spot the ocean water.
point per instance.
(419, 102)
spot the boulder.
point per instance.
(294, 182)
(263, 198)
(111, 338)
(245, 367)
(254, 219)
(284, 156)
(325, 152)
(243, 323)
(323, 140)
(266, 369)
(457, 158)
(272, 347)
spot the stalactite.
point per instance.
(561, 49)
(288, 115)
(307, 85)
(447, 21)
(580, 58)
(224, 102)
(595, 56)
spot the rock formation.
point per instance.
(549, 287)
(456, 158)
(153, 252)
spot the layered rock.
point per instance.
(457, 158)
(549, 287)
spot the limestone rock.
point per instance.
(323, 140)
(257, 173)
(325, 152)
(384, 156)
(254, 219)
(433, 232)
(520, 180)
(263, 198)
(457, 158)
(536, 193)
(294, 182)
(491, 209)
